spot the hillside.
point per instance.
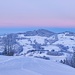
(32, 66)
(38, 43)
(37, 52)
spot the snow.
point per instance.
(63, 39)
(57, 58)
(28, 65)
(1, 48)
(32, 66)
(66, 41)
(21, 36)
(63, 36)
(36, 38)
(27, 41)
(23, 41)
(51, 47)
(25, 49)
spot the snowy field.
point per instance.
(20, 65)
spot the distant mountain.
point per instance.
(38, 43)
(40, 32)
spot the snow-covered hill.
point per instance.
(38, 43)
(56, 44)
(26, 48)
(32, 66)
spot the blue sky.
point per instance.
(22, 29)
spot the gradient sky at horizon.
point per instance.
(37, 13)
(8, 30)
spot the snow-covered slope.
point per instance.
(40, 43)
(63, 42)
(43, 44)
(32, 66)
(66, 40)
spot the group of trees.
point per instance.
(70, 60)
(10, 45)
(54, 53)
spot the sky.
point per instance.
(8, 30)
(37, 13)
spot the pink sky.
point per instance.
(37, 13)
(38, 23)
